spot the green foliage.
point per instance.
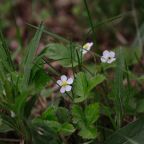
(16, 104)
(58, 120)
(63, 54)
(5, 57)
(28, 63)
(83, 85)
(130, 134)
(85, 120)
(42, 133)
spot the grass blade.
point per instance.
(50, 33)
(28, 63)
(118, 89)
(5, 56)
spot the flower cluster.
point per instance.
(107, 57)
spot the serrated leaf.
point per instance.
(92, 113)
(63, 115)
(83, 85)
(78, 115)
(80, 87)
(85, 120)
(88, 133)
(49, 114)
(95, 81)
(67, 129)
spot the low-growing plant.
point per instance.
(95, 104)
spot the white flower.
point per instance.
(12, 114)
(87, 47)
(65, 84)
(108, 57)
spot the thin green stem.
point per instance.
(90, 20)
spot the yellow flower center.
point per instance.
(64, 83)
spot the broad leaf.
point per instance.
(85, 120)
(92, 113)
(67, 129)
(95, 81)
(65, 55)
(83, 85)
(88, 133)
(80, 87)
(133, 131)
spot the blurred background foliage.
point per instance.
(114, 20)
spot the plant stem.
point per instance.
(90, 21)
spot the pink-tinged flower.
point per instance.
(108, 57)
(87, 47)
(65, 84)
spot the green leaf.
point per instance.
(50, 114)
(62, 54)
(133, 131)
(140, 106)
(118, 88)
(80, 87)
(5, 56)
(85, 120)
(83, 85)
(51, 34)
(28, 63)
(63, 115)
(42, 133)
(4, 128)
(95, 81)
(89, 133)
(92, 113)
(67, 129)
(78, 116)
(40, 79)
(28, 106)
(54, 125)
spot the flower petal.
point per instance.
(87, 47)
(112, 54)
(70, 81)
(111, 60)
(84, 51)
(63, 89)
(13, 114)
(103, 59)
(59, 82)
(106, 53)
(63, 78)
(68, 88)
(91, 44)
